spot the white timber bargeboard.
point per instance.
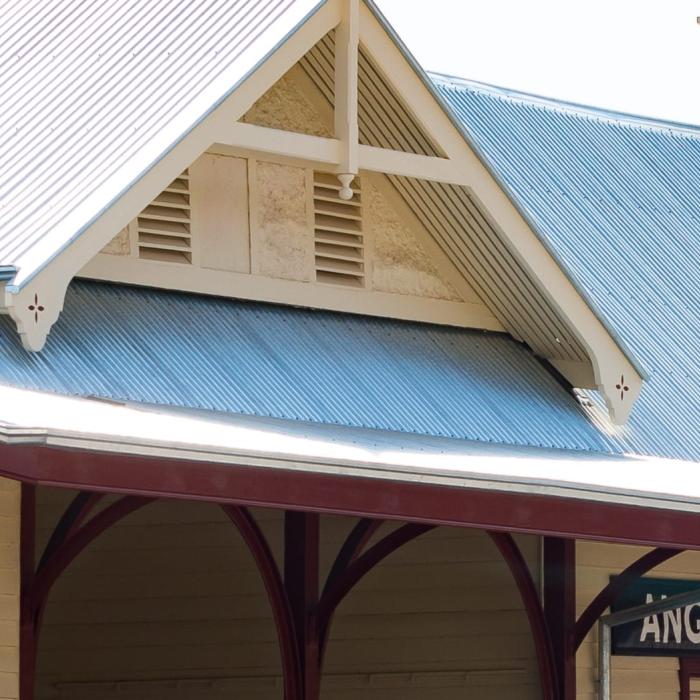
(49, 285)
(35, 307)
(613, 369)
(447, 211)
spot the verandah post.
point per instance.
(301, 579)
(559, 571)
(27, 620)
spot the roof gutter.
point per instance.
(7, 273)
(75, 445)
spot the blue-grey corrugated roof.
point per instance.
(169, 348)
(617, 201)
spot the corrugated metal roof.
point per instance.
(615, 198)
(158, 347)
(94, 93)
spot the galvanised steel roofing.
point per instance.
(157, 347)
(94, 93)
(617, 200)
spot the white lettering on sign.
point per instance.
(693, 634)
(672, 624)
(651, 624)
(672, 621)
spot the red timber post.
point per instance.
(559, 559)
(301, 579)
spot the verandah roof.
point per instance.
(173, 349)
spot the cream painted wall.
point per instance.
(168, 605)
(252, 226)
(9, 588)
(634, 678)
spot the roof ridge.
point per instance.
(565, 105)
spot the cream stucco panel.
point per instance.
(283, 106)
(400, 263)
(282, 240)
(120, 244)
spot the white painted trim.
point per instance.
(263, 140)
(51, 282)
(383, 160)
(253, 218)
(150, 273)
(258, 141)
(347, 39)
(610, 363)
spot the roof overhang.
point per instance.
(106, 446)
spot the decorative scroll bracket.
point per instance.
(35, 308)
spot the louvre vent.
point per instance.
(163, 227)
(338, 239)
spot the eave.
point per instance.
(334, 470)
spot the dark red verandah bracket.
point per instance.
(350, 567)
(302, 616)
(616, 587)
(355, 542)
(343, 581)
(535, 614)
(277, 595)
(65, 544)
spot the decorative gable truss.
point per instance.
(352, 63)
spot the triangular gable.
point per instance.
(436, 172)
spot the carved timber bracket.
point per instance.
(620, 389)
(35, 308)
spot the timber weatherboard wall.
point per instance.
(633, 678)
(171, 593)
(10, 494)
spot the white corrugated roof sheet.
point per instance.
(94, 93)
